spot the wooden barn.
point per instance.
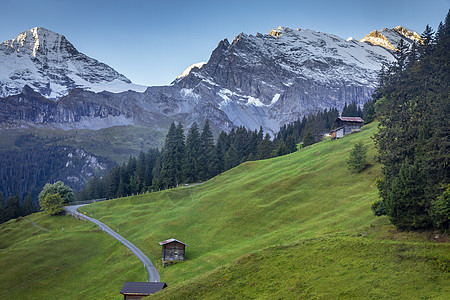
(139, 290)
(345, 126)
(173, 250)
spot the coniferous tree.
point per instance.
(290, 144)
(13, 208)
(412, 106)
(231, 157)
(206, 152)
(2, 209)
(281, 149)
(309, 139)
(28, 206)
(357, 159)
(223, 143)
(265, 148)
(192, 157)
(140, 173)
(2, 213)
(172, 158)
(428, 41)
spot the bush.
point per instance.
(52, 204)
(379, 208)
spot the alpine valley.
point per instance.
(54, 94)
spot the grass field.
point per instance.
(297, 226)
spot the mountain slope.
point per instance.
(296, 225)
(264, 80)
(389, 38)
(274, 79)
(51, 65)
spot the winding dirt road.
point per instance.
(153, 275)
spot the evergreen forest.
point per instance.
(412, 104)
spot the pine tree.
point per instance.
(2, 213)
(412, 140)
(281, 149)
(357, 159)
(265, 148)
(231, 158)
(290, 144)
(223, 143)
(28, 206)
(428, 41)
(206, 152)
(140, 173)
(13, 208)
(171, 174)
(193, 152)
(309, 139)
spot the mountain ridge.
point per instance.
(265, 80)
(51, 65)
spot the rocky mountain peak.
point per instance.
(39, 41)
(389, 38)
(50, 64)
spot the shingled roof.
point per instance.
(142, 288)
(351, 119)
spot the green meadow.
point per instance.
(296, 226)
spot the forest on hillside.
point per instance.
(412, 104)
(197, 157)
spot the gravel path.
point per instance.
(153, 275)
(35, 224)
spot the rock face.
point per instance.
(263, 80)
(47, 62)
(389, 38)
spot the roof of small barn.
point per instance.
(350, 119)
(142, 288)
(171, 241)
(337, 129)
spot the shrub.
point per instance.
(52, 204)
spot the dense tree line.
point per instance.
(193, 156)
(13, 207)
(412, 104)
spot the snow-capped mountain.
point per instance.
(265, 80)
(389, 38)
(47, 62)
(274, 79)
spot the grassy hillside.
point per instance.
(297, 226)
(73, 260)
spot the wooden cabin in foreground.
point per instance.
(345, 126)
(173, 250)
(139, 290)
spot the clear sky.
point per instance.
(152, 42)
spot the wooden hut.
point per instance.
(173, 250)
(346, 125)
(139, 290)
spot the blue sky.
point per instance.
(152, 42)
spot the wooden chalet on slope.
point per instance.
(139, 290)
(173, 250)
(345, 126)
